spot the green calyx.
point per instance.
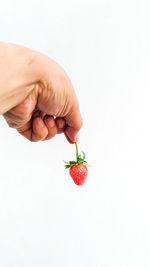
(79, 160)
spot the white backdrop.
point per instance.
(45, 220)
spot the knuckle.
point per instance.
(12, 125)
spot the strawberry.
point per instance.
(78, 169)
(78, 173)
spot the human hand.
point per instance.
(42, 101)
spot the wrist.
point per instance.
(18, 74)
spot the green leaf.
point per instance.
(66, 162)
(67, 166)
(83, 155)
(80, 161)
(88, 165)
(72, 162)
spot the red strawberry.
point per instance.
(78, 169)
(78, 173)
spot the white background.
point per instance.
(45, 219)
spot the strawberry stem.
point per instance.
(76, 151)
(79, 159)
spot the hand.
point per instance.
(48, 104)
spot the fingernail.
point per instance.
(61, 125)
(40, 124)
(71, 134)
(77, 137)
(50, 122)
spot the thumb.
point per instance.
(74, 123)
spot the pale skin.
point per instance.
(37, 97)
